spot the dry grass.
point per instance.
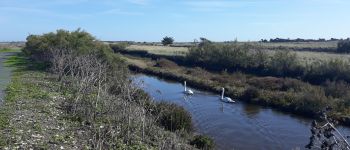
(160, 50)
(307, 57)
(331, 44)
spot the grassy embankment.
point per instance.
(286, 94)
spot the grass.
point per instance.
(311, 45)
(308, 57)
(7, 50)
(160, 50)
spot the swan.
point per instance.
(188, 92)
(226, 99)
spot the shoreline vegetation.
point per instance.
(288, 94)
(70, 91)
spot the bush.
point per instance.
(173, 117)
(219, 56)
(167, 40)
(337, 89)
(40, 47)
(344, 46)
(203, 142)
(285, 63)
(119, 47)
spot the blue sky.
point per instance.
(185, 20)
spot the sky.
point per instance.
(185, 20)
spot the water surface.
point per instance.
(234, 126)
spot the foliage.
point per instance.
(174, 117)
(39, 47)
(203, 142)
(284, 63)
(119, 46)
(167, 40)
(343, 46)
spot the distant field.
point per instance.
(160, 50)
(306, 57)
(300, 45)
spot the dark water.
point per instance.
(5, 74)
(234, 126)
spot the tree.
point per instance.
(167, 40)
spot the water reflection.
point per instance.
(251, 110)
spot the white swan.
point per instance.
(188, 92)
(226, 99)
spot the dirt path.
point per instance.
(5, 73)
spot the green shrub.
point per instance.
(173, 117)
(203, 142)
(344, 46)
(337, 89)
(39, 47)
(285, 63)
(119, 46)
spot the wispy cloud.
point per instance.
(139, 2)
(118, 11)
(221, 5)
(211, 5)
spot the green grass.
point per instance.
(7, 50)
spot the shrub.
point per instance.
(40, 47)
(119, 46)
(337, 89)
(173, 117)
(285, 63)
(167, 40)
(203, 142)
(344, 46)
